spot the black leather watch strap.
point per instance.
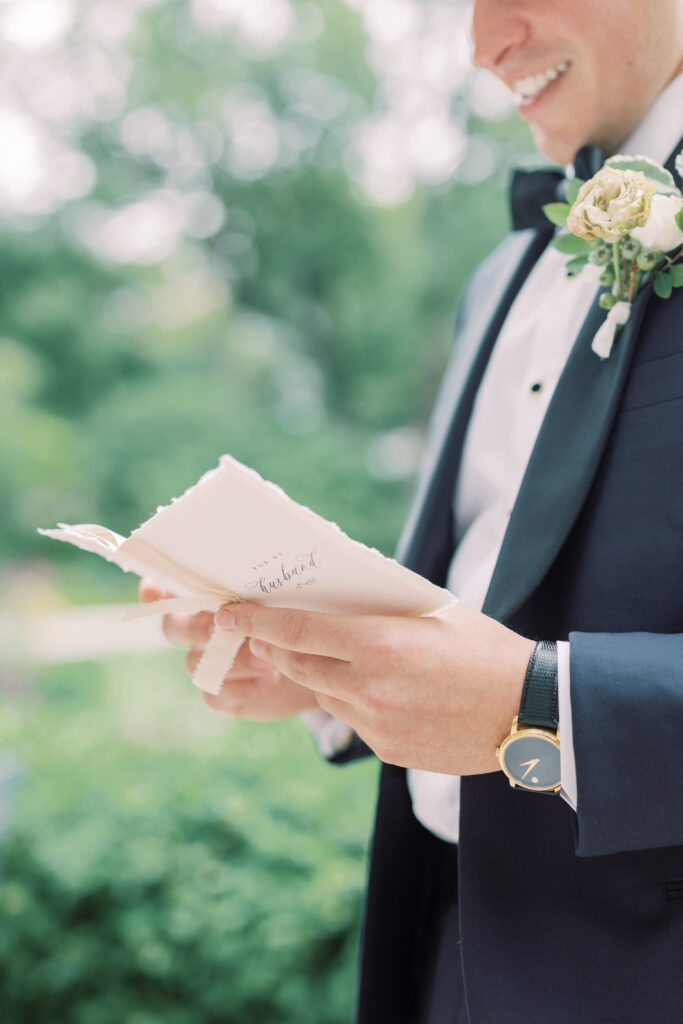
(539, 696)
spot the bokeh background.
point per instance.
(225, 226)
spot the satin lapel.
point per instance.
(563, 462)
(565, 458)
(427, 537)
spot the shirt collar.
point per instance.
(661, 128)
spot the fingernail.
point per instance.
(224, 618)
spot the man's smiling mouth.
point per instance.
(527, 89)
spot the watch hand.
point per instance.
(532, 764)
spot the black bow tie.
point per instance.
(531, 190)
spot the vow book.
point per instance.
(236, 537)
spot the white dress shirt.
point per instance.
(511, 403)
(525, 366)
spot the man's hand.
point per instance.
(253, 688)
(437, 692)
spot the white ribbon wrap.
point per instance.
(198, 593)
(604, 338)
(221, 651)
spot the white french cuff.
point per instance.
(604, 338)
(569, 790)
(331, 735)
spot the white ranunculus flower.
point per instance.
(660, 231)
(610, 204)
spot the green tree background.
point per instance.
(224, 227)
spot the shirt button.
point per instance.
(536, 387)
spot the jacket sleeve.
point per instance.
(627, 716)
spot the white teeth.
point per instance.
(529, 87)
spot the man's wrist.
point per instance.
(508, 681)
(518, 664)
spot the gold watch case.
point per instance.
(535, 746)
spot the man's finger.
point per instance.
(243, 670)
(150, 591)
(236, 698)
(316, 672)
(341, 709)
(246, 663)
(334, 636)
(194, 630)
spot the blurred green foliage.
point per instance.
(165, 864)
(303, 329)
(166, 867)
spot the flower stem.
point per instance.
(670, 260)
(634, 280)
(616, 255)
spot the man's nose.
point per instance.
(497, 28)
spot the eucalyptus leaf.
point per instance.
(571, 245)
(557, 213)
(664, 284)
(573, 190)
(654, 172)
(677, 275)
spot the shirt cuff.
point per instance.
(331, 735)
(569, 790)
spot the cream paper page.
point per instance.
(234, 536)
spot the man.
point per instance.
(552, 496)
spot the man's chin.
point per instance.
(559, 148)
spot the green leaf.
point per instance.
(679, 218)
(573, 190)
(576, 265)
(677, 275)
(664, 284)
(653, 171)
(571, 245)
(557, 213)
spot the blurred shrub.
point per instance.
(219, 278)
(156, 874)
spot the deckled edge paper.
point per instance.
(197, 593)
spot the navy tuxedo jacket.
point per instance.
(565, 918)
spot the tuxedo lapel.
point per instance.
(427, 542)
(563, 462)
(566, 455)
(565, 458)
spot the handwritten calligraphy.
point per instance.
(296, 572)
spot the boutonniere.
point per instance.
(624, 228)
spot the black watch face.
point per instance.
(532, 759)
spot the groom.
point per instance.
(551, 503)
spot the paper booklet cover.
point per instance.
(235, 537)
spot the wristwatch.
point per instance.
(530, 754)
